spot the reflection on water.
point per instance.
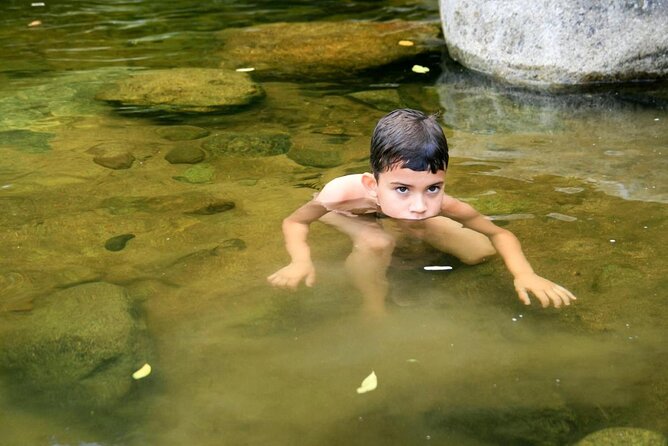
(616, 139)
(579, 177)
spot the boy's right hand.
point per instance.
(291, 275)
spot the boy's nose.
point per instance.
(418, 205)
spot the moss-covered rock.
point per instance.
(322, 150)
(77, 347)
(386, 99)
(26, 140)
(326, 49)
(623, 436)
(199, 173)
(184, 90)
(261, 143)
(185, 155)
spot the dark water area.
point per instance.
(116, 253)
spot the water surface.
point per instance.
(579, 177)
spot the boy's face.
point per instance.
(408, 194)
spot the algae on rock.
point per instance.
(326, 49)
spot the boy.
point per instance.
(409, 158)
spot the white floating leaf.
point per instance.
(143, 372)
(420, 69)
(245, 70)
(437, 268)
(370, 383)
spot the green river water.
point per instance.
(579, 177)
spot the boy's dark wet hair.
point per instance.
(408, 138)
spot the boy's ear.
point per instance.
(369, 181)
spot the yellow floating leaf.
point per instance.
(370, 383)
(35, 23)
(420, 69)
(406, 43)
(143, 372)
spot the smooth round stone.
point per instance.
(118, 242)
(185, 155)
(113, 155)
(116, 161)
(182, 132)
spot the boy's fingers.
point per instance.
(563, 295)
(524, 296)
(554, 297)
(543, 298)
(310, 280)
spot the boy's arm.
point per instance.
(295, 231)
(509, 248)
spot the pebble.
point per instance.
(118, 242)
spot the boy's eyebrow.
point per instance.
(399, 183)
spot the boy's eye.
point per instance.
(402, 189)
(434, 188)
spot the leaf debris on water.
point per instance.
(143, 372)
(420, 69)
(437, 268)
(406, 43)
(370, 383)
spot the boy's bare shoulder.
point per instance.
(345, 188)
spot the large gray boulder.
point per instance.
(556, 43)
(78, 347)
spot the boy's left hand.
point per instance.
(545, 290)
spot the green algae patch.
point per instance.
(326, 49)
(198, 174)
(78, 347)
(26, 140)
(258, 144)
(184, 90)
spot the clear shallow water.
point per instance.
(459, 361)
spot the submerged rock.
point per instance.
(161, 204)
(182, 132)
(117, 243)
(260, 143)
(329, 49)
(185, 155)
(77, 347)
(184, 90)
(197, 174)
(115, 160)
(214, 208)
(552, 44)
(623, 436)
(385, 100)
(319, 150)
(26, 140)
